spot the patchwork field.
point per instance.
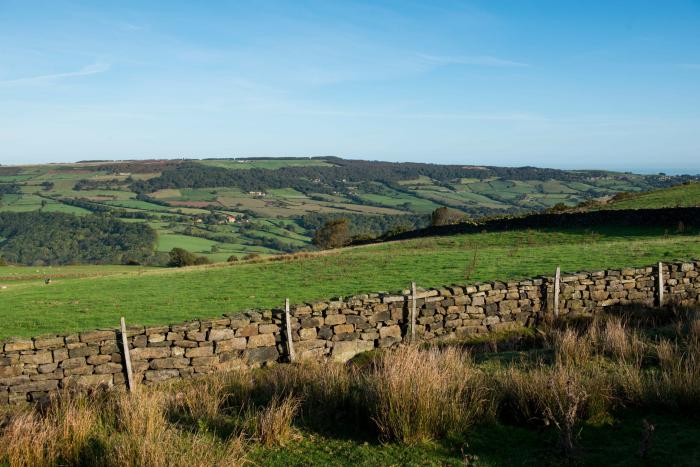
(150, 296)
(212, 207)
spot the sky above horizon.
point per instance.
(554, 83)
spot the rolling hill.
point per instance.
(684, 195)
(236, 207)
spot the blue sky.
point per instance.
(558, 83)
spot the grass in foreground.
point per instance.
(608, 392)
(29, 308)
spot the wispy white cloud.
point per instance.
(92, 69)
(477, 60)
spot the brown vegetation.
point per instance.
(585, 371)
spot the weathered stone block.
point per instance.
(221, 334)
(170, 362)
(79, 370)
(197, 336)
(333, 320)
(10, 371)
(205, 361)
(17, 344)
(344, 351)
(390, 331)
(307, 333)
(96, 336)
(155, 376)
(199, 352)
(99, 359)
(108, 368)
(343, 328)
(37, 358)
(247, 330)
(379, 317)
(145, 353)
(48, 342)
(313, 322)
(325, 332)
(262, 355)
(261, 340)
(156, 338)
(237, 343)
(34, 386)
(268, 328)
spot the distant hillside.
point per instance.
(236, 207)
(684, 195)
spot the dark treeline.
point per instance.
(36, 238)
(9, 188)
(142, 166)
(112, 184)
(320, 179)
(671, 219)
(362, 226)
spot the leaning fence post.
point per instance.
(661, 284)
(413, 312)
(557, 279)
(127, 356)
(288, 323)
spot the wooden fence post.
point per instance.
(661, 284)
(127, 356)
(288, 322)
(413, 312)
(557, 279)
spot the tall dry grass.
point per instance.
(272, 425)
(410, 395)
(62, 433)
(419, 395)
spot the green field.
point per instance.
(686, 195)
(52, 187)
(161, 296)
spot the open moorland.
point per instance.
(223, 207)
(620, 389)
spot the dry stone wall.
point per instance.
(32, 368)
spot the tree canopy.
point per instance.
(59, 238)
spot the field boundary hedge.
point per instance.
(668, 218)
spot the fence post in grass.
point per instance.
(288, 325)
(661, 284)
(413, 312)
(557, 279)
(127, 356)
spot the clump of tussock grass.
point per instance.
(419, 395)
(271, 425)
(62, 433)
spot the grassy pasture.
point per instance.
(676, 196)
(166, 295)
